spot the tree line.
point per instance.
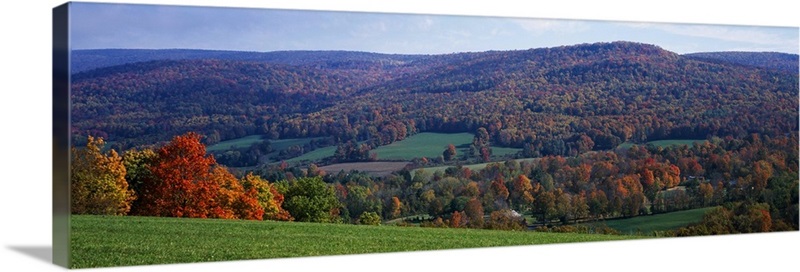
(753, 180)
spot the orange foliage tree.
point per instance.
(98, 184)
(267, 197)
(186, 182)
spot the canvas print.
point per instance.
(199, 134)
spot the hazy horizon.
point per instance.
(132, 26)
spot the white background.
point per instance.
(25, 137)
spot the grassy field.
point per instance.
(664, 143)
(238, 143)
(431, 145)
(247, 141)
(659, 222)
(424, 144)
(101, 241)
(316, 154)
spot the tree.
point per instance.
(98, 184)
(457, 220)
(563, 206)
(360, 199)
(522, 193)
(545, 206)
(309, 199)
(480, 144)
(396, 207)
(505, 220)
(449, 153)
(137, 165)
(231, 194)
(580, 207)
(474, 212)
(706, 192)
(369, 218)
(598, 203)
(268, 197)
(182, 186)
(500, 192)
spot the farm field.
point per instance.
(239, 143)
(316, 154)
(424, 144)
(101, 241)
(247, 141)
(646, 225)
(431, 145)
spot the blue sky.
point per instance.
(157, 27)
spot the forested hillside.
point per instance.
(769, 60)
(551, 101)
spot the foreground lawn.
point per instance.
(99, 241)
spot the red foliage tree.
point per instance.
(183, 186)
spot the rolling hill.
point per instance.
(548, 101)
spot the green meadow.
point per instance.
(102, 241)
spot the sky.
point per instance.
(99, 26)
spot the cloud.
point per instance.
(745, 38)
(542, 26)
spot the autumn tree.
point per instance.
(474, 213)
(580, 206)
(480, 144)
(544, 205)
(521, 193)
(505, 220)
(183, 185)
(98, 184)
(563, 205)
(395, 207)
(458, 220)
(268, 197)
(500, 192)
(597, 202)
(706, 192)
(449, 153)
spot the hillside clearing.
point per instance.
(647, 224)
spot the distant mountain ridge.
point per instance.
(770, 60)
(85, 60)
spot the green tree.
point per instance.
(137, 166)
(369, 218)
(311, 200)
